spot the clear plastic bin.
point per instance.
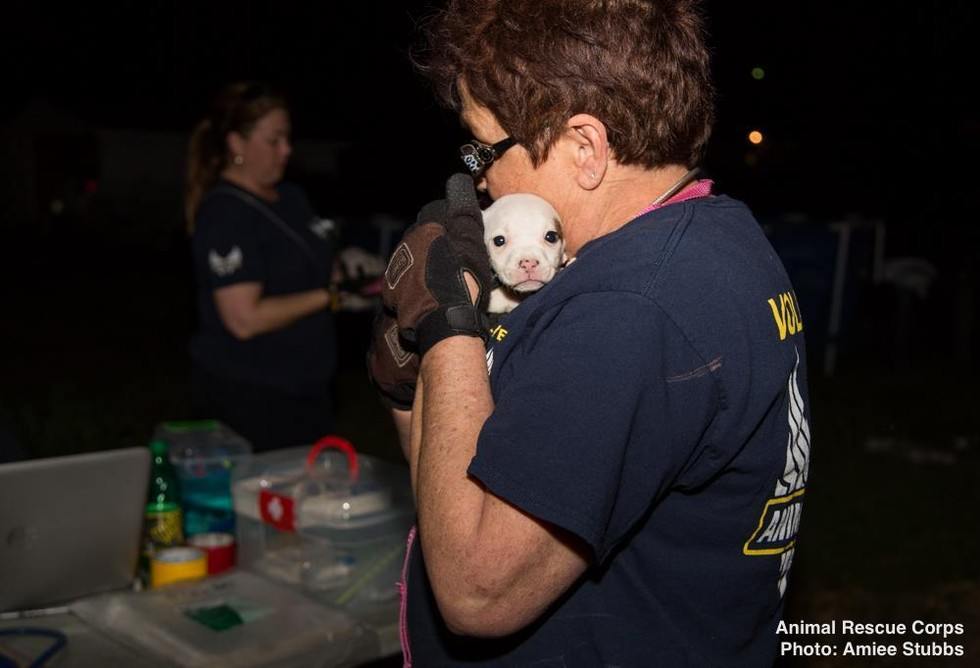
(204, 454)
(238, 620)
(328, 521)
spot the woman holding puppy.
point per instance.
(264, 353)
(624, 487)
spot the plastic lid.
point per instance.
(340, 495)
(338, 505)
(184, 426)
(323, 493)
(202, 441)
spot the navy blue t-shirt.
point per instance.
(652, 401)
(235, 242)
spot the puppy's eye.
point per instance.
(499, 240)
(551, 236)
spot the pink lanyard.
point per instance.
(700, 188)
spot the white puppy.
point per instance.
(523, 236)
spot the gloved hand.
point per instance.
(424, 286)
(392, 370)
(357, 267)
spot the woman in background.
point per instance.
(264, 352)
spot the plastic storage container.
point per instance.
(238, 619)
(328, 521)
(204, 454)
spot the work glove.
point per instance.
(424, 295)
(424, 288)
(357, 270)
(393, 371)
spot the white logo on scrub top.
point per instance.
(227, 265)
(323, 227)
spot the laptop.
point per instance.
(70, 526)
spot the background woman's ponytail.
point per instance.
(205, 160)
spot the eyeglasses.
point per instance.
(478, 156)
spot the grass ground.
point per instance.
(889, 528)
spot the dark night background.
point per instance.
(864, 111)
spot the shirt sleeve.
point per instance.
(599, 407)
(227, 249)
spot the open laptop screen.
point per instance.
(70, 526)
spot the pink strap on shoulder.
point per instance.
(700, 188)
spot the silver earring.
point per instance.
(238, 160)
(594, 177)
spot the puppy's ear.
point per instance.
(489, 217)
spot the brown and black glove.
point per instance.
(424, 294)
(393, 370)
(424, 285)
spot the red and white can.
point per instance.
(219, 548)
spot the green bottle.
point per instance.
(163, 520)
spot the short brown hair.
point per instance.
(639, 66)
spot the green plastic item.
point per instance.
(217, 618)
(163, 494)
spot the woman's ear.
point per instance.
(591, 149)
(235, 143)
